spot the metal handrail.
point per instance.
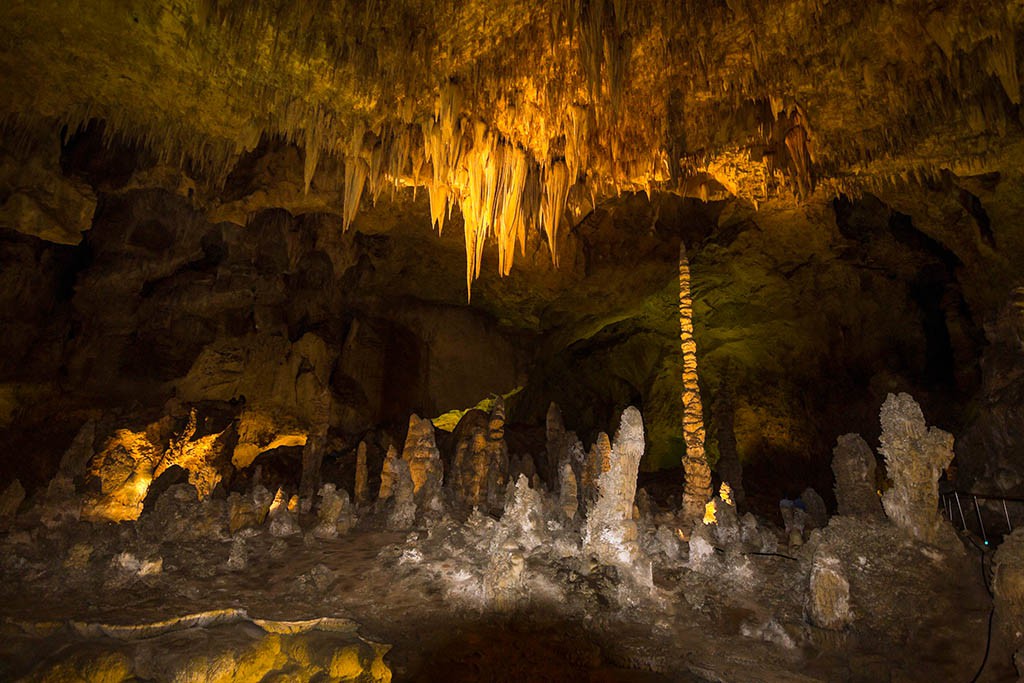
(955, 495)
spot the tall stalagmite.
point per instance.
(695, 462)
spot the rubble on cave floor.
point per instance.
(250, 585)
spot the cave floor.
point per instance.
(728, 624)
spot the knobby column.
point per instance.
(695, 463)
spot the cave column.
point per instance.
(697, 491)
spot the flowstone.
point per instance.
(828, 602)
(915, 456)
(854, 466)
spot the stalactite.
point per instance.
(556, 190)
(695, 463)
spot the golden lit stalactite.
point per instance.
(695, 462)
(556, 190)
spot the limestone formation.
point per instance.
(697, 490)
(567, 499)
(312, 459)
(60, 503)
(238, 556)
(854, 466)
(598, 460)
(817, 514)
(362, 488)
(242, 514)
(915, 456)
(204, 458)
(522, 522)
(423, 458)
(262, 500)
(402, 502)
(334, 514)
(481, 464)
(795, 521)
(557, 442)
(280, 518)
(1008, 591)
(387, 474)
(611, 532)
(828, 602)
(123, 470)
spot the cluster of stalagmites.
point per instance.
(498, 532)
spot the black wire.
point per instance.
(774, 555)
(991, 611)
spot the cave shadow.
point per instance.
(521, 647)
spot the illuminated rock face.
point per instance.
(915, 456)
(123, 470)
(204, 458)
(854, 466)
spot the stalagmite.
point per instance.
(480, 467)
(854, 466)
(598, 460)
(281, 517)
(695, 464)
(362, 489)
(334, 514)
(611, 531)
(423, 458)
(567, 500)
(556, 442)
(915, 456)
(402, 512)
(387, 476)
(312, 459)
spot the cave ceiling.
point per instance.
(516, 111)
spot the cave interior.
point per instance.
(457, 340)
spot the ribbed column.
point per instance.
(695, 463)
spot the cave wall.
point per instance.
(806, 314)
